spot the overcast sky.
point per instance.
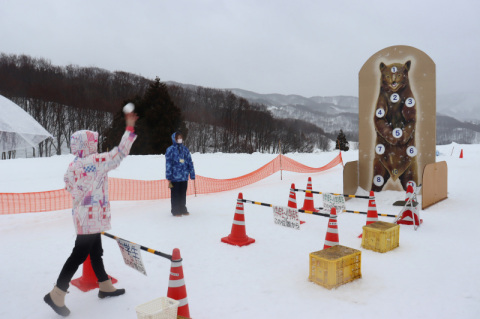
(300, 47)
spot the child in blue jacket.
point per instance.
(179, 167)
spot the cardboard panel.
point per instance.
(350, 178)
(435, 184)
(421, 76)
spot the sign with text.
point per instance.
(330, 201)
(286, 216)
(131, 255)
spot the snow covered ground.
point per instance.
(433, 274)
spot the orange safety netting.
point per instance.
(130, 189)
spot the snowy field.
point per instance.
(433, 274)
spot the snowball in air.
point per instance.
(128, 108)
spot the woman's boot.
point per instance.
(56, 300)
(108, 290)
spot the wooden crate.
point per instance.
(381, 236)
(335, 266)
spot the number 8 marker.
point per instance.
(394, 69)
(378, 180)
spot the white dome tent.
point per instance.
(18, 130)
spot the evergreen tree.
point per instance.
(341, 142)
(158, 119)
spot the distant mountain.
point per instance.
(458, 115)
(330, 113)
(450, 130)
(325, 105)
(461, 106)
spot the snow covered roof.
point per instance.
(18, 130)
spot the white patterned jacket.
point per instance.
(87, 179)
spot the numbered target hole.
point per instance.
(410, 102)
(394, 98)
(397, 133)
(378, 180)
(380, 149)
(380, 113)
(412, 151)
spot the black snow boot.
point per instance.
(56, 300)
(108, 290)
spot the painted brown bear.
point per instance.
(395, 118)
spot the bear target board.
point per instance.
(397, 120)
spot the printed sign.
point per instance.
(286, 216)
(337, 201)
(131, 255)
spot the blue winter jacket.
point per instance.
(178, 162)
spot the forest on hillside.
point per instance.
(70, 98)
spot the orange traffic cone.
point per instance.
(461, 153)
(176, 284)
(410, 214)
(409, 193)
(292, 200)
(372, 215)
(238, 235)
(331, 239)
(89, 280)
(308, 203)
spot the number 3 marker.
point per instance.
(410, 102)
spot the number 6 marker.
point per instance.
(412, 151)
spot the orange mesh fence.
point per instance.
(130, 189)
(291, 165)
(14, 203)
(205, 185)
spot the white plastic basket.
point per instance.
(160, 308)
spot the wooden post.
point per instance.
(194, 183)
(280, 149)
